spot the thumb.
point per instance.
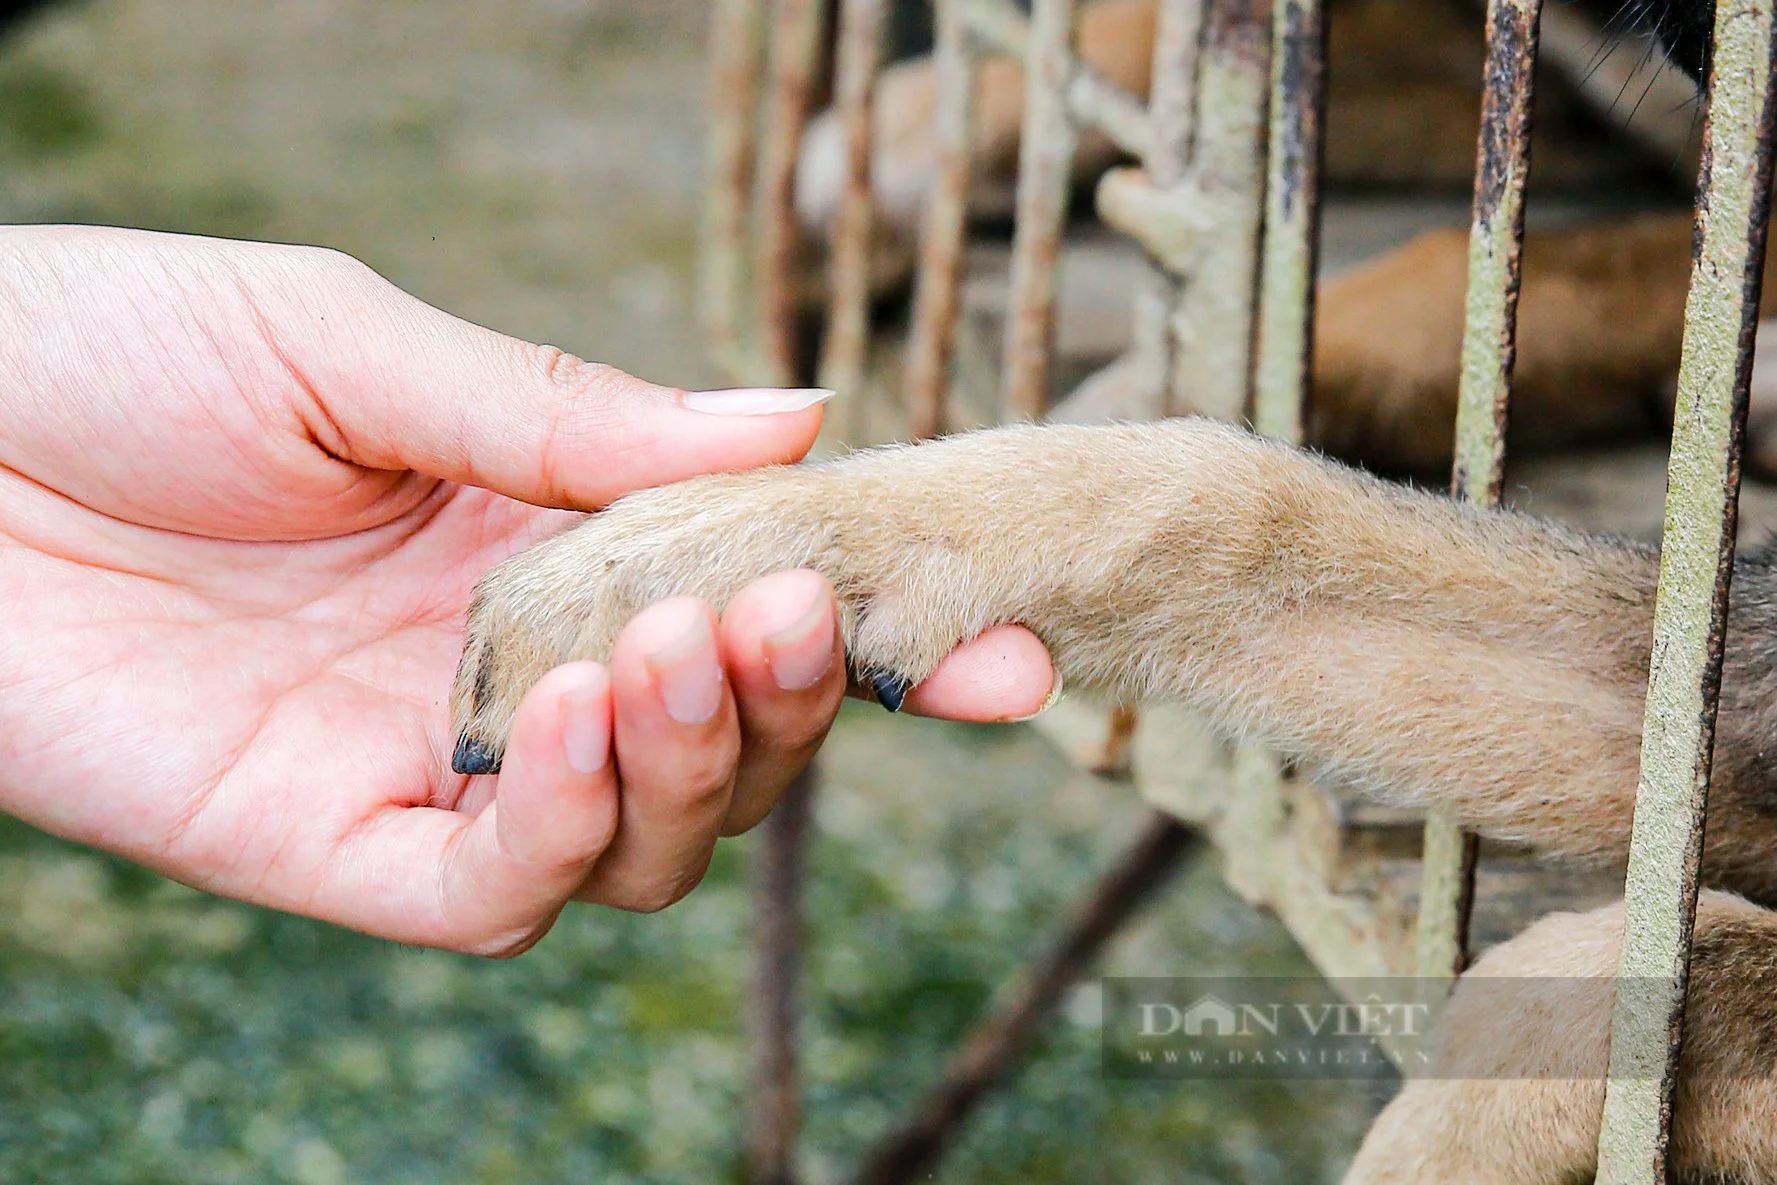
(401, 385)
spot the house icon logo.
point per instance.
(1211, 1016)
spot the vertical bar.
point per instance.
(795, 47)
(1045, 167)
(737, 39)
(848, 321)
(1213, 319)
(777, 1101)
(1292, 226)
(1696, 562)
(1496, 242)
(938, 293)
(1172, 95)
(1489, 352)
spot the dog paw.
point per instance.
(902, 578)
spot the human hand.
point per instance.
(245, 491)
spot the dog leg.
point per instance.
(1518, 1093)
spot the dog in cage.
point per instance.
(1428, 652)
(1601, 305)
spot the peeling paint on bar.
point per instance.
(1045, 165)
(1496, 239)
(1212, 322)
(796, 32)
(938, 290)
(848, 321)
(1489, 352)
(1292, 208)
(1696, 560)
(737, 53)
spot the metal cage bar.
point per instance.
(1696, 563)
(796, 32)
(847, 344)
(1089, 99)
(777, 970)
(1291, 250)
(737, 56)
(938, 292)
(1045, 162)
(1484, 390)
(909, 1152)
(1210, 159)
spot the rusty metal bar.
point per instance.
(1283, 350)
(1292, 224)
(909, 1153)
(938, 292)
(1091, 100)
(796, 32)
(1172, 121)
(737, 51)
(1172, 96)
(1690, 613)
(777, 944)
(1496, 243)
(1045, 167)
(1212, 322)
(1489, 352)
(848, 322)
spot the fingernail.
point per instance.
(756, 401)
(687, 673)
(1049, 701)
(891, 691)
(585, 722)
(801, 654)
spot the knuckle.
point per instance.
(587, 389)
(801, 733)
(587, 408)
(705, 791)
(332, 263)
(505, 945)
(668, 891)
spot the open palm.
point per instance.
(245, 492)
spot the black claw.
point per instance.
(891, 690)
(474, 757)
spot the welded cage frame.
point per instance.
(1223, 200)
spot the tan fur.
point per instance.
(1425, 650)
(1600, 317)
(1518, 1093)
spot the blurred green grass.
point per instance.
(535, 167)
(149, 1033)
